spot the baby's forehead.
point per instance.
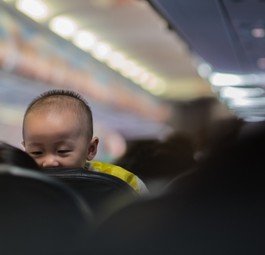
(54, 113)
(52, 127)
(58, 142)
(53, 121)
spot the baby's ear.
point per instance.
(93, 147)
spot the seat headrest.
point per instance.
(39, 213)
(103, 192)
(81, 174)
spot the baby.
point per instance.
(58, 132)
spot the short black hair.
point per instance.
(63, 99)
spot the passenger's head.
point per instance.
(58, 130)
(158, 162)
(216, 135)
(14, 156)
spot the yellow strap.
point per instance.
(117, 171)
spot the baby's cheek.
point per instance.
(69, 162)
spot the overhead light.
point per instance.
(150, 83)
(231, 92)
(127, 68)
(144, 77)
(204, 69)
(84, 40)
(35, 9)
(226, 79)
(258, 32)
(223, 79)
(247, 102)
(100, 50)
(155, 86)
(63, 26)
(134, 71)
(130, 69)
(115, 60)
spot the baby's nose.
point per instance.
(50, 161)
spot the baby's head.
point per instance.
(58, 130)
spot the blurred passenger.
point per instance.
(11, 155)
(216, 135)
(158, 162)
(137, 150)
(217, 209)
(58, 133)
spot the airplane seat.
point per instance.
(41, 215)
(104, 193)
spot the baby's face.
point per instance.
(56, 139)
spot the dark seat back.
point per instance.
(40, 215)
(103, 192)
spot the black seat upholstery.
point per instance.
(40, 215)
(103, 192)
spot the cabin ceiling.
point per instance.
(228, 36)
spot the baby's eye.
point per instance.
(63, 151)
(36, 153)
